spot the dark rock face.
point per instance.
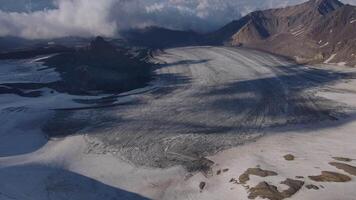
(101, 67)
(99, 44)
(326, 6)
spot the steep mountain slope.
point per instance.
(315, 31)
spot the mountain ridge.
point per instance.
(309, 32)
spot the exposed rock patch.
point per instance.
(347, 168)
(100, 67)
(243, 178)
(294, 187)
(327, 176)
(267, 191)
(202, 165)
(234, 181)
(289, 157)
(342, 159)
(311, 186)
(202, 186)
(219, 171)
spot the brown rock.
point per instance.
(327, 176)
(233, 180)
(243, 178)
(267, 191)
(342, 159)
(202, 185)
(294, 187)
(347, 168)
(311, 186)
(289, 157)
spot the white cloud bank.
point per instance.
(72, 17)
(106, 17)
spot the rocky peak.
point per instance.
(100, 44)
(326, 6)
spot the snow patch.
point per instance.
(27, 71)
(341, 64)
(296, 28)
(330, 58)
(352, 21)
(324, 45)
(298, 32)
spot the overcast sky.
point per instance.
(59, 18)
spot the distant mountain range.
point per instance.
(317, 31)
(313, 32)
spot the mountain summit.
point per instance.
(99, 44)
(326, 6)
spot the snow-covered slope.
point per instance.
(204, 100)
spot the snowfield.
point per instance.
(210, 114)
(26, 71)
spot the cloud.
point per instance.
(59, 18)
(70, 18)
